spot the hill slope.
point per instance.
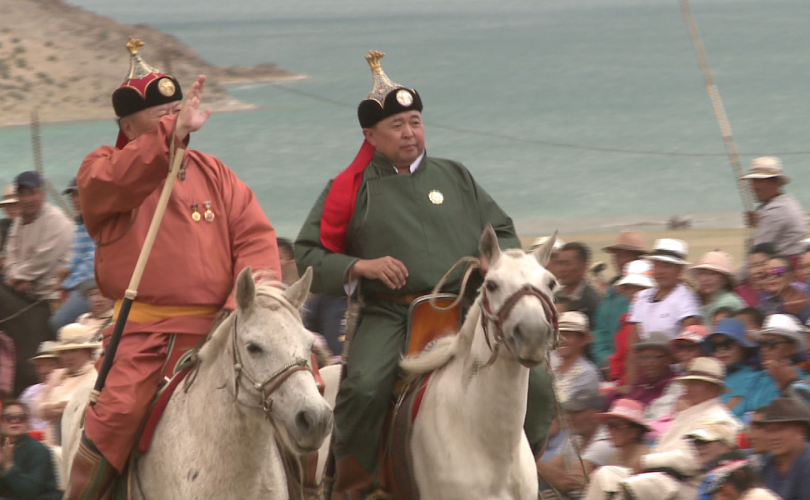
(66, 61)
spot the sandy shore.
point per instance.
(700, 241)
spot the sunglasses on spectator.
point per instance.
(722, 344)
(14, 418)
(617, 425)
(777, 271)
(772, 344)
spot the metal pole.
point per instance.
(717, 104)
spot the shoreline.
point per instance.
(227, 104)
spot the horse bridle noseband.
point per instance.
(498, 318)
(274, 381)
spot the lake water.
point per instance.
(576, 114)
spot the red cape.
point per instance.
(339, 206)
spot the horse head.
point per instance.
(271, 352)
(517, 307)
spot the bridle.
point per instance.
(271, 384)
(497, 319)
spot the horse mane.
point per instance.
(444, 349)
(269, 294)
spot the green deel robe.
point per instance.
(395, 217)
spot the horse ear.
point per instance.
(488, 246)
(298, 292)
(245, 289)
(543, 252)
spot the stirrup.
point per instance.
(92, 477)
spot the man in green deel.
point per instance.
(389, 227)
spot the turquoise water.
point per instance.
(527, 94)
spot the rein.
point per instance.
(274, 381)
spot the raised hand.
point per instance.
(191, 118)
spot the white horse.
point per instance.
(253, 393)
(468, 440)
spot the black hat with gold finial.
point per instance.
(144, 86)
(386, 98)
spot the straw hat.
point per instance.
(637, 273)
(717, 261)
(75, 336)
(705, 369)
(669, 250)
(627, 409)
(558, 243)
(573, 321)
(715, 430)
(766, 167)
(784, 325)
(9, 195)
(45, 351)
(632, 241)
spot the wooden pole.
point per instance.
(176, 160)
(717, 105)
(36, 145)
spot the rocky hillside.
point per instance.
(66, 61)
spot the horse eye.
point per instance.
(552, 284)
(254, 349)
(491, 286)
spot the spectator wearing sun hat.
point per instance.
(671, 305)
(714, 275)
(627, 429)
(749, 387)
(45, 361)
(570, 367)
(787, 470)
(687, 346)
(781, 343)
(629, 246)
(703, 383)
(779, 219)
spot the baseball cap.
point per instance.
(584, 398)
(29, 179)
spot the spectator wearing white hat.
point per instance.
(75, 348)
(674, 452)
(45, 362)
(671, 305)
(629, 246)
(715, 282)
(637, 277)
(781, 341)
(570, 367)
(779, 219)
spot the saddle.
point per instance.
(425, 324)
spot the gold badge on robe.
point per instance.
(436, 197)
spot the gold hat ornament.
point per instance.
(386, 97)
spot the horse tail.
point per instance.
(438, 355)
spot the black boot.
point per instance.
(92, 477)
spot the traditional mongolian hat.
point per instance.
(386, 97)
(75, 336)
(143, 87)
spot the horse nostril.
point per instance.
(304, 422)
(517, 333)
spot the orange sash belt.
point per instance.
(146, 313)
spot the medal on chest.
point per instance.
(436, 197)
(209, 215)
(195, 214)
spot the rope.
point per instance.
(541, 142)
(473, 263)
(21, 311)
(717, 105)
